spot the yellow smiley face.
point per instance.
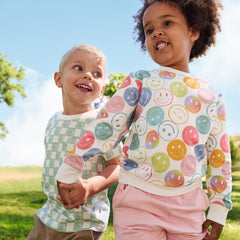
(191, 82)
(177, 150)
(217, 158)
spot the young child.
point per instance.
(81, 77)
(177, 133)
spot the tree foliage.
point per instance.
(10, 78)
(115, 81)
(235, 152)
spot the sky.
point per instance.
(35, 35)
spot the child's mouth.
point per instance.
(85, 87)
(160, 45)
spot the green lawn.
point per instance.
(20, 199)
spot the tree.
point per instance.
(235, 154)
(115, 81)
(10, 78)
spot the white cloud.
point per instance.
(24, 144)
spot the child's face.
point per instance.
(169, 40)
(82, 81)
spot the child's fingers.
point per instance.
(64, 194)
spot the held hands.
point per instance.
(73, 195)
(215, 232)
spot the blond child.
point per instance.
(81, 77)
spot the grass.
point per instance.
(20, 199)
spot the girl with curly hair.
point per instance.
(177, 132)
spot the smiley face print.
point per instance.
(86, 141)
(179, 89)
(131, 96)
(155, 115)
(168, 130)
(176, 149)
(178, 114)
(163, 97)
(115, 104)
(103, 131)
(191, 82)
(155, 83)
(119, 121)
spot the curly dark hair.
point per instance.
(201, 15)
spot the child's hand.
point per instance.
(72, 195)
(215, 232)
(63, 195)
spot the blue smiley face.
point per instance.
(141, 126)
(129, 164)
(168, 130)
(211, 110)
(142, 74)
(199, 152)
(89, 154)
(155, 115)
(135, 142)
(203, 124)
(146, 96)
(131, 96)
(103, 131)
(119, 121)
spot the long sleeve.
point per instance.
(102, 140)
(218, 178)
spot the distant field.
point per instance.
(20, 199)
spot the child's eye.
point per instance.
(167, 23)
(148, 31)
(97, 74)
(78, 68)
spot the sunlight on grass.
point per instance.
(20, 199)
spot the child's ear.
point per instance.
(57, 79)
(194, 35)
(102, 91)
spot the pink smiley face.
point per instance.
(188, 165)
(144, 171)
(86, 141)
(190, 135)
(224, 143)
(205, 95)
(163, 97)
(115, 104)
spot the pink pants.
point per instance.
(141, 215)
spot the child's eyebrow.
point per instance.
(161, 17)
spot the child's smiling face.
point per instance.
(168, 38)
(82, 81)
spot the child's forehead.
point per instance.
(80, 55)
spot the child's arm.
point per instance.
(84, 188)
(218, 177)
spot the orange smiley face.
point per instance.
(177, 150)
(217, 158)
(191, 82)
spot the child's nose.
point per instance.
(87, 76)
(157, 33)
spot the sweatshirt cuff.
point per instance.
(67, 174)
(218, 213)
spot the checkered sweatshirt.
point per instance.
(61, 136)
